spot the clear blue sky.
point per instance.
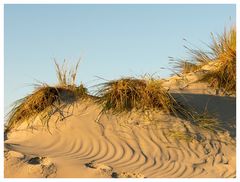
(113, 40)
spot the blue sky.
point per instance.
(112, 40)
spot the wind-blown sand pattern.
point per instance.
(125, 145)
(180, 127)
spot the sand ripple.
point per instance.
(139, 152)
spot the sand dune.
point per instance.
(180, 127)
(125, 145)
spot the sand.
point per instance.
(147, 144)
(121, 146)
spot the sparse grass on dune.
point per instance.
(222, 74)
(121, 95)
(45, 99)
(185, 66)
(223, 77)
(65, 76)
(127, 94)
(208, 122)
(33, 104)
(181, 135)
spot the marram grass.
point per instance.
(222, 57)
(131, 94)
(122, 95)
(45, 100)
(127, 94)
(223, 76)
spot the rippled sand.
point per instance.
(125, 145)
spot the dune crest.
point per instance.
(124, 145)
(180, 127)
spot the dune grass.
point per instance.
(32, 105)
(126, 94)
(222, 57)
(65, 75)
(123, 95)
(223, 77)
(46, 99)
(186, 66)
(207, 122)
(181, 135)
(131, 94)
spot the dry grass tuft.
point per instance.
(66, 76)
(208, 122)
(129, 93)
(186, 66)
(223, 76)
(221, 59)
(121, 95)
(46, 100)
(32, 105)
(181, 135)
(43, 102)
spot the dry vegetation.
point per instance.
(185, 66)
(221, 57)
(65, 76)
(126, 94)
(45, 100)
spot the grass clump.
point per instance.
(186, 66)
(181, 135)
(207, 122)
(46, 100)
(129, 93)
(32, 105)
(66, 76)
(121, 95)
(223, 76)
(221, 60)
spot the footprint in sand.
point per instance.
(101, 167)
(41, 165)
(127, 175)
(109, 170)
(34, 161)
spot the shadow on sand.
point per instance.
(222, 107)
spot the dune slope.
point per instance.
(125, 145)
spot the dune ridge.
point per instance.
(180, 127)
(125, 145)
